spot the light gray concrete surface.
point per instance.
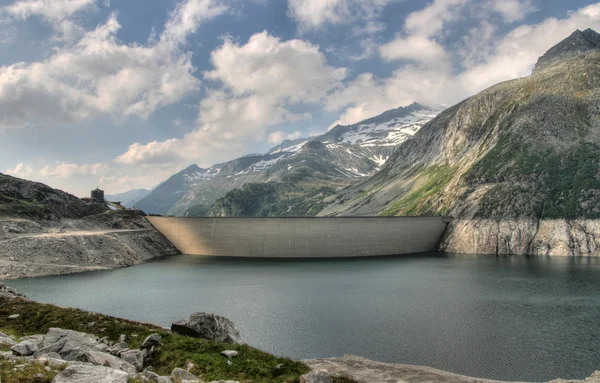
(302, 237)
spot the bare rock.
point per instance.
(230, 353)
(6, 341)
(316, 376)
(9, 292)
(25, 348)
(208, 326)
(69, 344)
(134, 357)
(90, 374)
(151, 341)
(179, 374)
(107, 360)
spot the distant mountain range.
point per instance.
(298, 173)
(129, 198)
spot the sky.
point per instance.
(121, 94)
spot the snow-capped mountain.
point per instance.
(336, 159)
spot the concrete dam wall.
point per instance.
(302, 237)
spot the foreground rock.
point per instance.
(8, 292)
(90, 374)
(316, 376)
(367, 371)
(208, 326)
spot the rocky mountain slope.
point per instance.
(44, 231)
(517, 165)
(293, 172)
(129, 198)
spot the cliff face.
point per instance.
(517, 165)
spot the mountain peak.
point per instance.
(577, 43)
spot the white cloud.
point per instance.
(506, 58)
(430, 20)
(21, 170)
(279, 136)
(512, 10)
(415, 48)
(100, 75)
(260, 81)
(57, 13)
(314, 14)
(66, 170)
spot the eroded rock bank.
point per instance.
(556, 237)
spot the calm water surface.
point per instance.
(513, 318)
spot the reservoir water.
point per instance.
(508, 318)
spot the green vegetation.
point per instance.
(561, 181)
(422, 201)
(28, 373)
(250, 365)
(274, 199)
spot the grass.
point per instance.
(419, 201)
(177, 350)
(24, 373)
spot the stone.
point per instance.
(164, 379)
(122, 338)
(107, 360)
(179, 374)
(224, 381)
(38, 338)
(190, 365)
(38, 376)
(151, 341)
(69, 344)
(90, 374)
(151, 375)
(14, 316)
(6, 341)
(208, 326)
(118, 347)
(25, 348)
(229, 363)
(230, 353)
(53, 355)
(135, 357)
(316, 376)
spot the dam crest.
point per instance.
(303, 237)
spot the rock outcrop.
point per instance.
(208, 326)
(90, 374)
(535, 237)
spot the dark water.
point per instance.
(513, 318)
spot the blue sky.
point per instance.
(123, 93)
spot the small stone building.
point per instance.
(98, 195)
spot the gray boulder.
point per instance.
(316, 376)
(70, 345)
(6, 341)
(118, 347)
(151, 341)
(230, 353)
(90, 374)
(25, 348)
(208, 326)
(179, 374)
(164, 379)
(134, 357)
(103, 359)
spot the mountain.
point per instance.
(129, 198)
(299, 172)
(579, 42)
(517, 165)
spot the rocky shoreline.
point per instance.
(557, 237)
